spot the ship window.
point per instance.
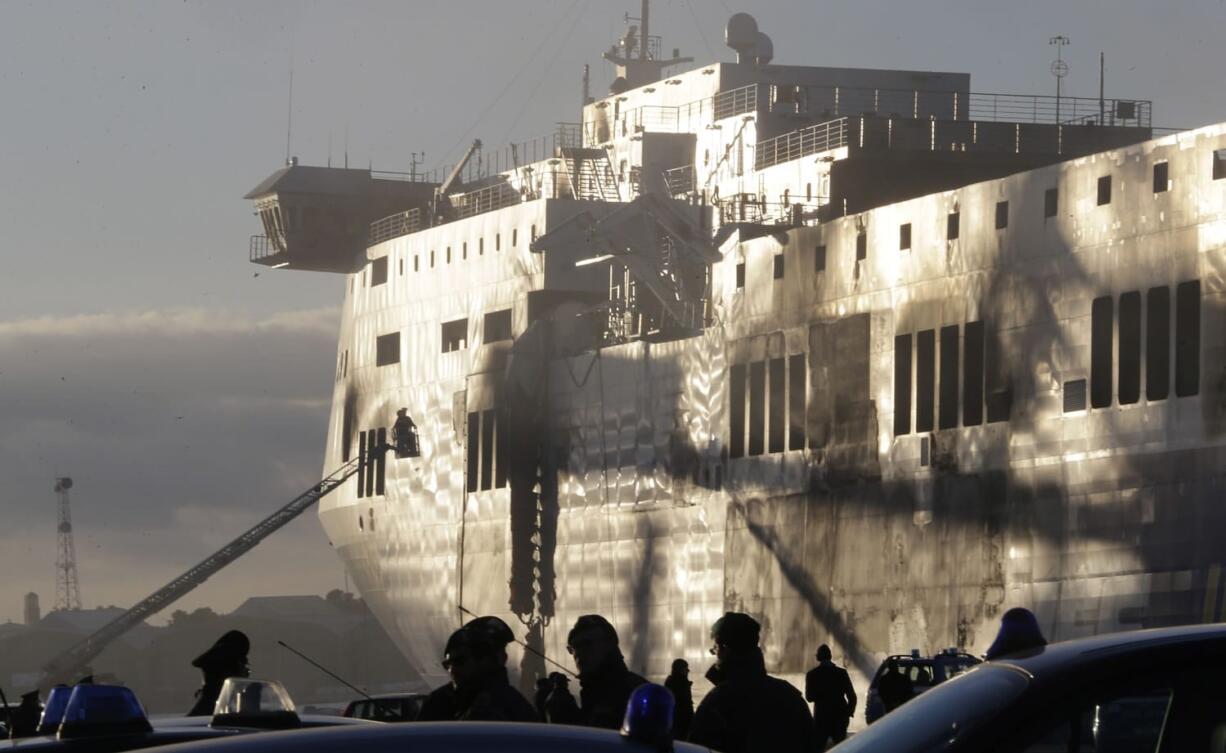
(951, 226)
(497, 241)
(497, 326)
(1130, 348)
(474, 452)
(998, 397)
(464, 251)
(402, 267)
(1161, 177)
(487, 450)
(972, 375)
(740, 274)
(948, 405)
(808, 192)
(416, 263)
(1104, 190)
(757, 406)
(1219, 164)
(480, 247)
(378, 271)
(1158, 343)
(449, 254)
(1002, 215)
(1051, 201)
(861, 245)
(796, 402)
(1187, 338)
(819, 259)
(904, 237)
(455, 335)
(736, 407)
(371, 463)
(777, 435)
(361, 474)
(500, 454)
(387, 349)
(902, 385)
(380, 469)
(778, 266)
(514, 237)
(533, 236)
(431, 258)
(1101, 329)
(925, 379)
(1074, 395)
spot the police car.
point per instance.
(1150, 690)
(395, 707)
(923, 672)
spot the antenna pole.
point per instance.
(289, 115)
(587, 81)
(1102, 74)
(1059, 68)
(644, 29)
(346, 146)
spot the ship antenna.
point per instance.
(643, 44)
(289, 115)
(346, 146)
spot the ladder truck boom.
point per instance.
(66, 664)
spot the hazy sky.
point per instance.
(188, 397)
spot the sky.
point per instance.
(187, 395)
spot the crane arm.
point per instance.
(442, 204)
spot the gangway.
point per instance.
(64, 666)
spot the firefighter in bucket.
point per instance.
(404, 434)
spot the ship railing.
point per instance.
(416, 176)
(819, 137)
(687, 118)
(487, 199)
(750, 208)
(394, 226)
(262, 247)
(680, 180)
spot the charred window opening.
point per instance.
(1104, 190)
(387, 349)
(998, 394)
(473, 450)
(1074, 395)
(1161, 177)
(736, 411)
(796, 401)
(500, 454)
(1219, 164)
(951, 226)
(1002, 215)
(778, 266)
(497, 326)
(1101, 329)
(1051, 202)
(925, 379)
(757, 407)
(777, 425)
(819, 259)
(487, 450)
(1130, 348)
(371, 463)
(1158, 343)
(361, 474)
(1187, 338)
(455, 335)
(380, 465)
(861, 245)
(904, 237)
(740, 274)
(378, 271)
(902, 385)
(948, 404)
(972, 375)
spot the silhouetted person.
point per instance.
(894, 688)
(828, 688)
(545, 686)
(678, 683)
(23, 721)
(1019, 631)
(476, 656)
(605, 683)
(404, 434)
(225, 658)
(749, 710)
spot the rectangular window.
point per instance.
(1187, 338)
(740, 275)
(925, 379)
(778, 266)
(1158, 343)
(777, 434)
(371, 463)
(1002, 215)
(464, 251)
(472, 462)
(487, 450)
(431, 258)
(902, 385)
(416, 263)
(380, 462)
(455, 335)
(904, 237)
(1219, 164)
(497, 326)
(1102, 327)
(533, 236)
(1051, 201)
(480, 247)
(948, 405)
(819, 259)
(500, 454)
(861, 246)
(449, 254)
(998, 392)
(736, 411)
(361, 474)
(1104, 190)
(387, 349)
(757, 407)
(402, 267)
(972, 375)
(796, 401)
(951, 226)
(1074, 395)
(1130, 348)
(378, 271)
(514, 237)
(497, 241)
(1161, 177)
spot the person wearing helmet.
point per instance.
(225, 658)
(404, 434)
(605, 683)
(476, 656)
(749, 710)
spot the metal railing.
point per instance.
(680, 180)
(485, 199)
(748, 208)
(685, 118)
(394, 226)
(818, 137)
(262, 247)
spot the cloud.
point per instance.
(180, 428)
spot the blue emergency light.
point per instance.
(103, 711)
(649, 716)
(53, 711)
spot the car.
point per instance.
(393, 707)
(1153, 690)
(924, 672)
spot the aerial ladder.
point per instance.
(69, 663)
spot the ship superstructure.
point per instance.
(865, 353)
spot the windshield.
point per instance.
(944, 713)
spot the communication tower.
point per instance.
(67, 590)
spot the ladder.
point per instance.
(591, 173)
(64, 666)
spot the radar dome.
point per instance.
(763, 49)
(741, 34)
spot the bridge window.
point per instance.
(1130, 348)
(948, 404)
(972, 375)
(1104, 190)
(902, 385)
(1051, 201)
(925, 379)
(1158, 343)
(387, 349)
(1102, 327)
(497, 326)
(455, 335)
(1187, 338)
(378, 271)
(951, 226)
(1162, 181)
(1002, 215)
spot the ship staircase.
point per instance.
(591, 173)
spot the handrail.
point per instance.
(394, 226)
(818, 137)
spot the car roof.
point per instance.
(1073, 654)
(114, 743)
(455, 737)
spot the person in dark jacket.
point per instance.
(475, 656)
(894, 687)
(225, 658)
(1019, 631)
(23, 721)
(828, 688)
(749, 710)
(605, 683)
(678, 683)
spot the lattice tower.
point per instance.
(67, 589)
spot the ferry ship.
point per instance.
(867, 354)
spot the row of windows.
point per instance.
(373, 462)
(772, 393)
(453, 336)
(486, 466)
(379, 266)
(931, 375)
